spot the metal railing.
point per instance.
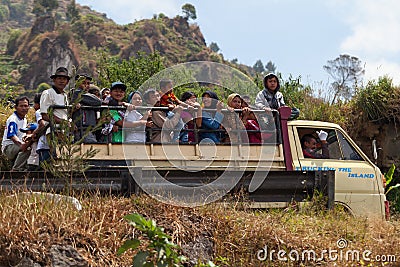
(270, 125)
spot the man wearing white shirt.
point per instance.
(54, 96)
(13, 144)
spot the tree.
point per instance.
(132, 72)
(42, 7)
(259, 66)
(189, 11)
(214, 47)
(346, 70)
(270, 67)
(72, 11)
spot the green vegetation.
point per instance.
(4, 13)
(43, 7)
(159, 251)
(189, 11)
(214, 47)
(379, 100)
(72, 11)
(133, 72)
(70, 160)
(392, 190)
(230, 234)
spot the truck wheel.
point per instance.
(341, 208)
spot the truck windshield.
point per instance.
(349, 153)
(338, 146)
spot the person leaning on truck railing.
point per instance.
(151, 96)
(104, 93)
(87, 117)
(95, 90)
(50, 97)
(163, 127)
(211, 120)
(252, 126)
(233, 121)
(113, 129)
(168, 99)
(309, 145)
(135, 122)
(190, 118)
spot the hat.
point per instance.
(87, 76)
(60, 72)
(30, 127)
(118, 85)
(130, 96)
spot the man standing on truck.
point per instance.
(85, 118)
(50, 97)
(309, 145)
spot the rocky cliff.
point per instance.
(51, 42)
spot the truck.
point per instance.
(274, 174)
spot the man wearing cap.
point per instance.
(55, 96)
(84, 118)
(113, 130)
(13, 144)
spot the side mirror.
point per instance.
(374, 150)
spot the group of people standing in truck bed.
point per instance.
(167, 119)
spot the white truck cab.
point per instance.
(358, 182)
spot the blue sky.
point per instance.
(299, 37)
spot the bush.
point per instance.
(12, 44)
(65, 36)
(160, 251)
(379, 100)
(41, 87)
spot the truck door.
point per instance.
(356, 185)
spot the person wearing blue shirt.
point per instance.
(13, 144)
(211, 118)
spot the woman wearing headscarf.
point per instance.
(211, 117)
(191, 118)
(233, 120)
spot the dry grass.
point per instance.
(29, 226)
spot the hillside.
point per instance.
(37, 45)
(17, 14)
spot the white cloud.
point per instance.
(375, 35)
(127, 11)
(380, 68)
(375, 26)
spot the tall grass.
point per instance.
(235, 234)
